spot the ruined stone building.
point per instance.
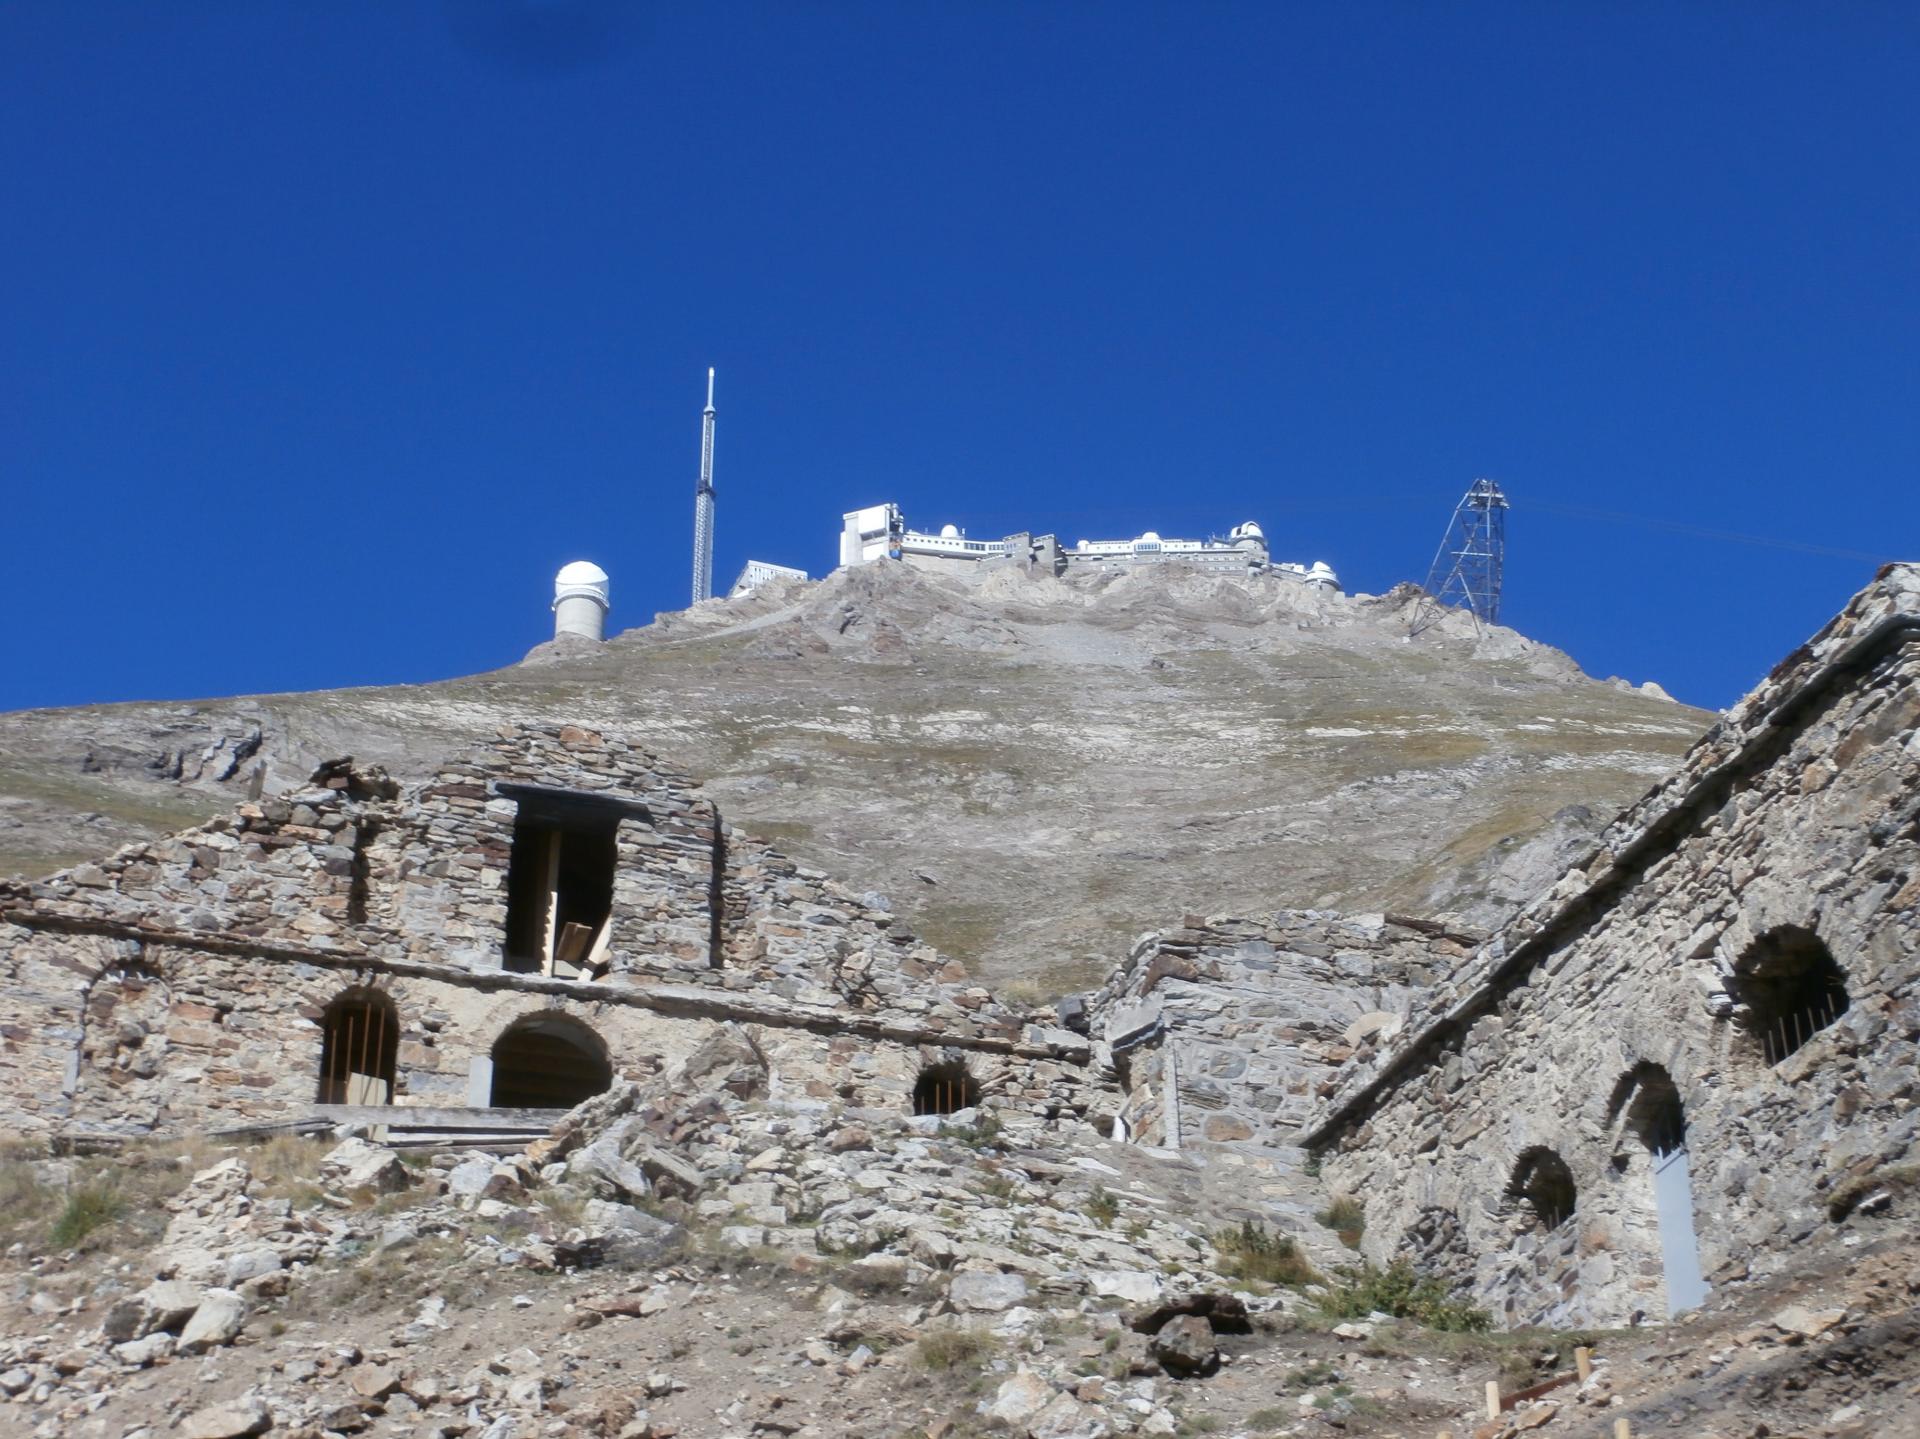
(1683, 1059)
(549, 911)
(1679, 1062)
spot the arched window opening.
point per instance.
(1543, 1185)
(1652, 1109)
(548, 1062)
(945, 1089)
(359, 1040)
(1789, 988)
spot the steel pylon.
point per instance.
(1467, 567)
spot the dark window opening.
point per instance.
(560, 892)
(1790, 989)
(360, 874)
(548, 1062)
(717, 897)
(1543, 1184)
(359, 1040)
(945, 1089)
(1651, 1103)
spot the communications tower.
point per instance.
(1466, 567)
(703, 506)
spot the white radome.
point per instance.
(949, 532)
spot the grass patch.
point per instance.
(1894, 1179)
(1253, 1252)
(945, 1350)
(1347, 1218)
(1102, 1207)
(89, 1209)
(1400, 1291)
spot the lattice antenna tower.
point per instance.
(1467, 566)
(703, 506)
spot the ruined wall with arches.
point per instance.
(1715, 1022)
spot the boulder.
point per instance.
(1018, 1401)
(217, 1320)
(986, 1293)
(237, 1420)
(1067, 1418)
(356, 1164)
(1184, 1347)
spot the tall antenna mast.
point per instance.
(703, 506)
(1467, 566)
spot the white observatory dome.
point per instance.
(1149, 538)
(949, 532)
(1322, 574)
(1080, 545)
(1249, 531)
(580, 601)
(581, 572)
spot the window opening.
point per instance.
(560, 890)
(548, 1062)
(1791, 988)
(1544, 1184)
(1654, 1114)
(359, 1039)
(945, 1089)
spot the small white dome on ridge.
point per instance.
(949, 532)
(581, 572)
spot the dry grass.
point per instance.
(949, 1349)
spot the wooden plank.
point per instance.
(1493, 1399)
(1583, 1363)
(598, 960)
(575, 940)
(423, 1117)
(1545, 1386)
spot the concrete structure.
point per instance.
(1692, 1054)
(881, 532)
(760, 572)
(580, 601)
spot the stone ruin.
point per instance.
(547, 913)
(1686, 1057)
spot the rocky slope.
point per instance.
(1031, 769)
(693, 1259)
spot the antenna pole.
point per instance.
(703, 505)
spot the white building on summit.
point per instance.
(880, 532)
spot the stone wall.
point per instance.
(182, 983)
(1221, 1035)
(1644, 978)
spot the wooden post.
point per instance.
(1493, 1399)
(1622, 1429)
(1583, 1362)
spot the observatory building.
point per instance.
(881, 532)
(580, 601)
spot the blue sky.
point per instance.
(331, 330)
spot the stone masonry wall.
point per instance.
(1797, 816)
(182, 982)
(1223, 1034)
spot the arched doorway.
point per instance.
(548, 1061)
(1646, 1104)
(359, 1042)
